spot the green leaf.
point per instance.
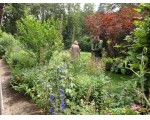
(68, 91)
(134, 65)
(141, 68)
(137, 10)
(123, 71)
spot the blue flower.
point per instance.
(51, 110)
(52, 98)
(62, 106)
(62, 92)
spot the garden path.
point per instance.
(14, 103)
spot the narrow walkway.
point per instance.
(14, 103)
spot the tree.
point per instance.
(101, 8)
(114, 26)
(72, 23)
(12, 13)
(40, 37)
(44, 11)
(113, 7)
(1, 12)
(88, 8)
(69, 14)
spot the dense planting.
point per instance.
(42, 69)
(112, 27)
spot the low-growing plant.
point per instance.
(108, 62)
(120, 111)
(94, 68)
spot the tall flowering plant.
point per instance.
(59, 81)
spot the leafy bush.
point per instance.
(116, 65)
(2, 51)
(138, 52)
(108, 63)
(120, 96)
(15, 53)
(21, 59)
(5, 41)
(43, 38)
(85, 44)
(120, 111)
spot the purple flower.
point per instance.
(62, 106)
(51, 110)
(62, 92)
(52, 98)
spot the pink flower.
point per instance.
(135, 107)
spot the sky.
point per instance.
(96, 6)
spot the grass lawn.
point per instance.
(117, 78)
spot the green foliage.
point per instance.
(21, 59)
(6, 40)
(85, 43)
(138, 54)
(41, 38)
(122, 95)
(120, 111)
(116, 65)
(2, 52)
(84, 93)
(141, 75)
(15, 53)
(12, 13)
(108, 62)
(39, 84)
(25, 81)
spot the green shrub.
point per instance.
(43, 38)
(21, 58)
(116, 65)
(120, 111)
(15, 53)
(2, 51)
(5, 41)
(85, 44)
(26, 81)
(108, 63)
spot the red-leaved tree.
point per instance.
(114, 26)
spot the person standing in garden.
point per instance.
(75, 50)
(96, 47)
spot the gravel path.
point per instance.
(14, 103)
